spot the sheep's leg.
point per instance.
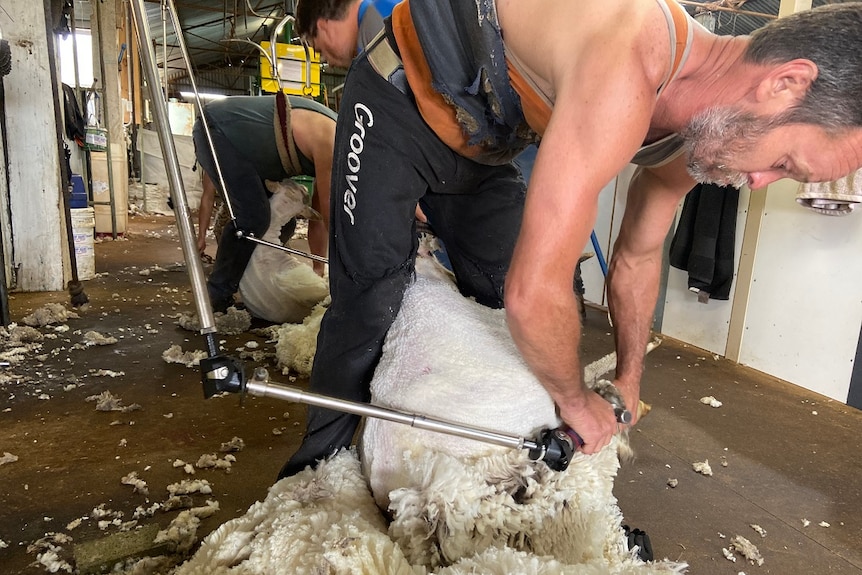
(603, 365)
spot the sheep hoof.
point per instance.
(643, 409)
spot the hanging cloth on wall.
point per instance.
(837, 198)
(703, 243)
(74, 119)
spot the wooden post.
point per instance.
(35, 229)
(110, 218)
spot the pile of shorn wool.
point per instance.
(325, 521)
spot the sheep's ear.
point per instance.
(310, 213)
(273, 186)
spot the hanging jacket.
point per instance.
(704, 241)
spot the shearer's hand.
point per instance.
(631, 397)
(593, 419)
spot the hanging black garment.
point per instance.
(703, 243)
(74, 118)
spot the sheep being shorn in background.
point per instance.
(455, 506)
(275, 285)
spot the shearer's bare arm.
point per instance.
(635, 268)
(315, 137)
(604, 104)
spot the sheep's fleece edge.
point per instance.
(325, 521)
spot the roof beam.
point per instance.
(719, 7)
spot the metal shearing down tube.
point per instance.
(172, 166)
(555, 447)
(181, 41)
(289, 250)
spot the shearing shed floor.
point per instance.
(784, 462)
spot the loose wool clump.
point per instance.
(318, 521)
(234, 322)
(297, 343)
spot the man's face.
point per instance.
(336, 41)
(728, 146)
(714, 137)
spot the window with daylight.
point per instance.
(83, 45)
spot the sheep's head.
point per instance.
(290, 200)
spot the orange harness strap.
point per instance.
(435, 110)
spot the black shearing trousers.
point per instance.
(386, 161)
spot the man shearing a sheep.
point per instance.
(259, 138)
(437, 106)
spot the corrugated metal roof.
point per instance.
(215, 33)
(741, 17)
(217, 36)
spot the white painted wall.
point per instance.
(34, 165)
(805, 309)
(799, 320)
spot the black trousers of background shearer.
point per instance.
(249, 199)
(386, 160)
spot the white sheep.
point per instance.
(275, 285)
(452, 497)
(456, 506)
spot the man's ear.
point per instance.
(324, 27)
(787, 83)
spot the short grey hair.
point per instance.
(831, 37)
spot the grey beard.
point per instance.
(716, 135)
(716, 174)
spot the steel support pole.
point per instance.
(172, 166)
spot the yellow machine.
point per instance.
(296, 76)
